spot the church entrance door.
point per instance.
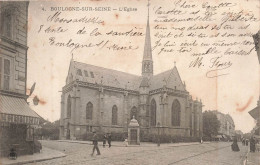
(68, 134)
(133, 136)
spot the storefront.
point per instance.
(17, 121)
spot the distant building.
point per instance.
(256, 38)
(16, 117)
(96, 98)
(255, 113)
(239, 134)
(227, 126)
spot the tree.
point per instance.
(50, 130)
(211, 124)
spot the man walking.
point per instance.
(95, 143)
(104, 140)
(109, 140)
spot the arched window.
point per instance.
(176, 113)
(153, 113)
(89, 110)
(69, 107)
(134, 112)
(114, 115)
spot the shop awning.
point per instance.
(16, 110)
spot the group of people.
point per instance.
(245, 142)
(106, 137)
(253, 143)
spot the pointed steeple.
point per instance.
(147, 45)
(147, 68)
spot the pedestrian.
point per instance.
(13, 154)
(95, 143)
(126, 142)
(257, 146)
(243, 141)
(109, 140)
(246, 142)
(234, 146)
(104, 140)
(252, 144)
(201, 140)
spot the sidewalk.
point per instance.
(46, 154)
(253, 158)
(143, 144)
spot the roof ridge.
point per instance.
(170, 75)
(163, 72)
(100, 67)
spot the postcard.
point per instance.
(130, 82)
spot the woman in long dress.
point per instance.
(234, 146)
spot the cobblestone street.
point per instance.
(203, 154)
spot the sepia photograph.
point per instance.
(130, 82)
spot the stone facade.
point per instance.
(227, 126)
(255, 113)
(105, 100)
(14, 44)
(16, 117)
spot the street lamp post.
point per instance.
(158, 140)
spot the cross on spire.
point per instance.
(72, 56)
(148, 5)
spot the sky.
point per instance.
(235, 93)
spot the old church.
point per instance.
(105, 100)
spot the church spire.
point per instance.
(147, 64)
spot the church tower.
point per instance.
(147, 73)
(147, 64)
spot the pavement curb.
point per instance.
(35, 160)
(115, 145)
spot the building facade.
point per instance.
(227, 126)
(255, 113)
(105, 100)
(256, 38)
(16, 117)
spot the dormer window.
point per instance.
(79, 72)
(86, 73)
(92, 74)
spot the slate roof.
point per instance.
(114, 78)
(108, 77)
(170, 78)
